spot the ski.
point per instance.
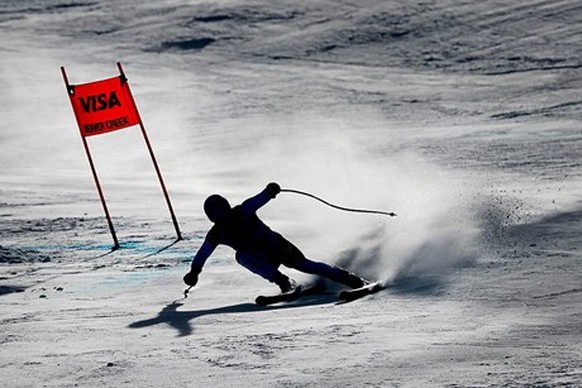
(299, 291)
(356, 293)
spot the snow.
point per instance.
(461, 117)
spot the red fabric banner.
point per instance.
(103, 106)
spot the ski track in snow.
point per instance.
(462, 117)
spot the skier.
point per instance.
(258, 248)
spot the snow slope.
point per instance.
(462, 117)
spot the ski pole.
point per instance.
(391, 214)
(186, 291)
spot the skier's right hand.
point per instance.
(191, 278)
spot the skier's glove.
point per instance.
(191, 277)
(273, 189)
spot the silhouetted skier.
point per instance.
(258, 248)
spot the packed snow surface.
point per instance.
(463, 117)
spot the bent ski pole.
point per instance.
(380, 212)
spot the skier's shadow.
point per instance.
(180, 320)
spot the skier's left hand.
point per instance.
(273, 189)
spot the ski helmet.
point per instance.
(216, 207)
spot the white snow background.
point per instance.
(463, 117)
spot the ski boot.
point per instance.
(349, 279)
(287, 285)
